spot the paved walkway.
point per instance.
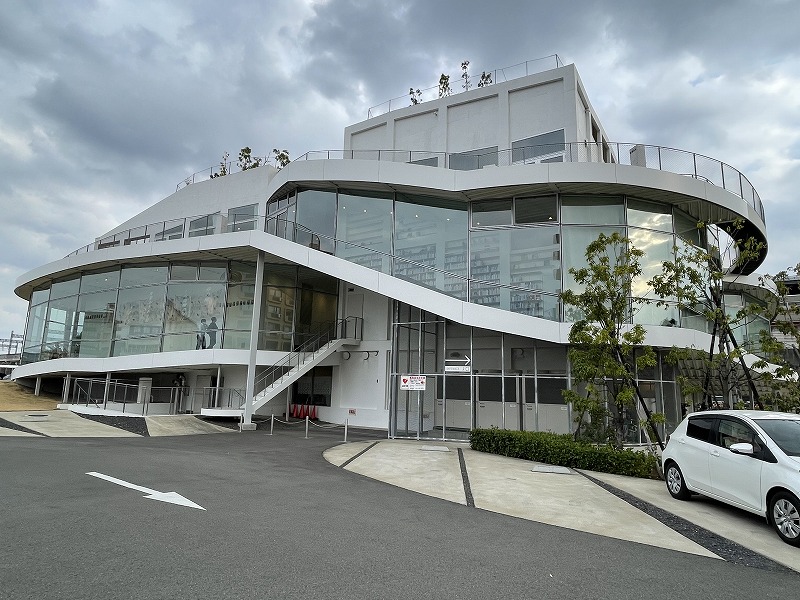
(584, 501)
(565, 498)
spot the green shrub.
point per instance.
(563, 450)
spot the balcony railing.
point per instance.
(661, 158)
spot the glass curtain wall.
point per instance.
(176, 306)
(509, 253)
(430, 243)
(481, 378)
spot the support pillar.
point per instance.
(65, 390)
(38, 387)
(106, 390)
(247, 420)
(216, 391)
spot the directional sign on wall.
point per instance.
(462, 365)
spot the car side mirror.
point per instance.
(742, 448)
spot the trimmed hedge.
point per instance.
(563, 450)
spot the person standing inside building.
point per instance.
(201, 335)
(212, 332)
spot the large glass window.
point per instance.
(60, 327)
(534, 258)
(316, 219)
(135, 276)
(213, 271)
(686, 228)
(491, 212)
(189, 312)
(40, 294)
(183, 272)
(96, 282)
(37, 317)
(365, 230)
(540, 209)
(432, 233)
(239, 306)
(657, 248)
(140, 313)
(574, 244)
(95, 323)
(649, 215)
(67, 287)
(592, 210)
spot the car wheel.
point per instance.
(675, 482)
(784, 512)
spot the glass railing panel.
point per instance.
(709, 170)
(677, 161)
(650, 314)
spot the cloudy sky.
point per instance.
(106, 105)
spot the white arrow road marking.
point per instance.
(171, 497)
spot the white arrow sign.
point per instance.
(171, 497)
(466, 360)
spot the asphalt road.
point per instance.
(281, 522)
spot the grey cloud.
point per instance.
(115, 107)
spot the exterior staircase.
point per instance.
(343, 332)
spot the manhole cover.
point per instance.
(551, 469)
(435, 449)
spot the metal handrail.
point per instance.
(340, 329)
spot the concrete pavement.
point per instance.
(561, 497)
(453, 472)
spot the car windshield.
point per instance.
(784, 432)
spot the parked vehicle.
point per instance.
(748, 459)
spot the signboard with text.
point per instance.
(412, 382)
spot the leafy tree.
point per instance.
(246, 160)
(465, 75)
(606, 350)
(779, 347)
(444, 86)
(696, 282)
(415, 95)
(223, 167)
(281, 157)
(485, 79)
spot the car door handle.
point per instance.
(714, 453)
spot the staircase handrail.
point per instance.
(338, 330)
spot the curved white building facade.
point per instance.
(318, 289)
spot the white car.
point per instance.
(746, 458)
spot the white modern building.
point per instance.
(429, 252)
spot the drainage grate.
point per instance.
(435, 449)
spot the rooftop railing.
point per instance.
(681, 162)
(459, 83)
